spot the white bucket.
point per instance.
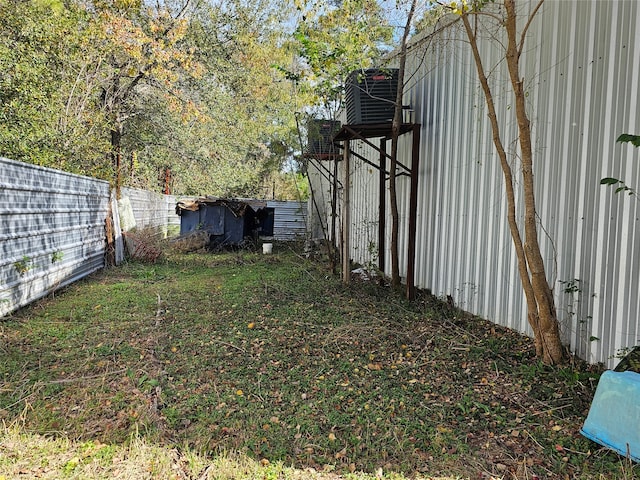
(267, 248)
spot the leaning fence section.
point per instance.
(52, 230)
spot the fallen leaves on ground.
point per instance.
(273, 357)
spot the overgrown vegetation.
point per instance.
(173, 96)
(272, 358)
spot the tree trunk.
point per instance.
(540, 303)
(552, 350)
(346, 216)
(393, 207)
(116, 154)
(395, 134)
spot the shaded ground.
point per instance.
(271, 356)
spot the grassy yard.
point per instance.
(240, 365)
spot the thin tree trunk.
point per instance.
(395, 134)
(553, 351)
(346, 216)
(540, 304)
(393, 206)
(116, 152)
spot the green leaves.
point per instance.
(628, 138)
(193, 90)
(610, 181)
(334, 40)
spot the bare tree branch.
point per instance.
(526, 27)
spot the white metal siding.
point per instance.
(52, 223)
(583, 82)
(173, 219)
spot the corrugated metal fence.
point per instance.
(52, 230)
(152, 210)
(290, 219)
(582, 76)
(52, 227)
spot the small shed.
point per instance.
(227, 221)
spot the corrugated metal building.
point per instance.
(52, 230)
(582, 78)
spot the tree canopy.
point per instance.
(184, 92)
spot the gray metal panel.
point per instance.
(364, 215)
(173, 219)
(290, 219)
(52, 230)
(582, 75)
(149, 209)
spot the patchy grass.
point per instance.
(272, 358)
(37, 456)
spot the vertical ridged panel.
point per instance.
(152, 210)
(582, 74)
(52, 230)
(320, 175)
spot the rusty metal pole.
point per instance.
(413, 213)
(382, 224)
(346, 217)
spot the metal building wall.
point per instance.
(582, 81)
(580, 64)
(52, 230)
(320, 174)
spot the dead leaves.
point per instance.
(352, 381)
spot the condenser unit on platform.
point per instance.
(320, 134)
(370, 95)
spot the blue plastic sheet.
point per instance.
(614, 417)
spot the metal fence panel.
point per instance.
(290, 219)
(52, 230)
(153, 210)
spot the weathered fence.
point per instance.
(290, 219)
(53, 227)
(52, 230)
(151, 210)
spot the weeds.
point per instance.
(23, 265)
(271, 357)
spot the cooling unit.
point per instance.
(370, 95)
(320, 134)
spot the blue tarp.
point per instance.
(227, 221)
(614, 417)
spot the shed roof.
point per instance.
(237, 206)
